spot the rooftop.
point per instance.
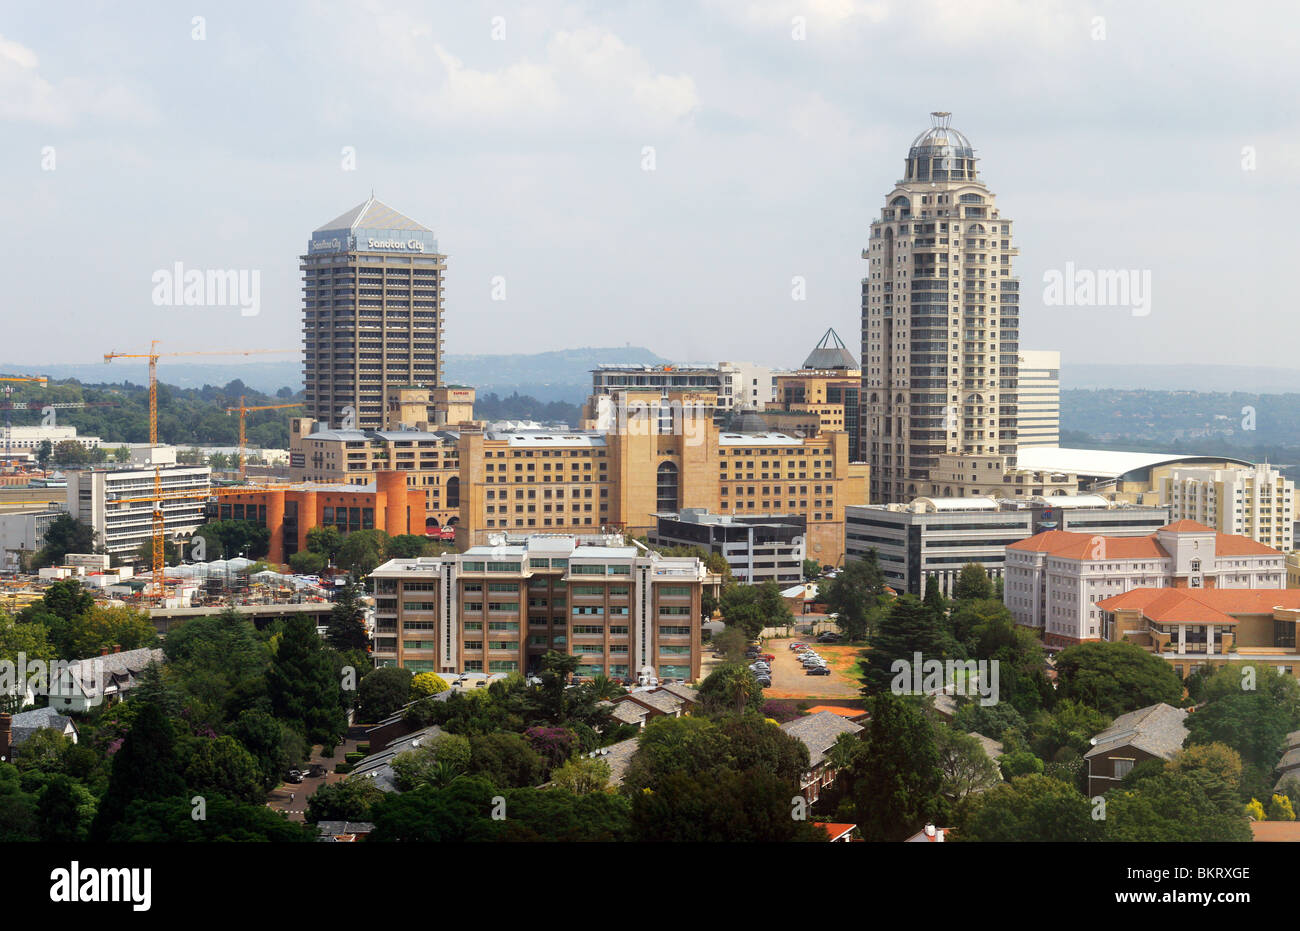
(372, 214)
(1103, 463)
(1201, 605)
(1155, 729)
(830, 353)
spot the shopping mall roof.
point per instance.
(1105, 463)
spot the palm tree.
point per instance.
(603, 688)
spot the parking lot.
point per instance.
(789, 680)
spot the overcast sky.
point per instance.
(526, 154)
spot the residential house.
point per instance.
(1156, 732)
(818, 732)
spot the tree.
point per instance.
(407, 546)
(741, 610)
(812, 569)
(64, 535)
(434, 763)
(1254, 722)
(731, 688)
(306, 562)
(907, 628)
(144, 768)
(350, 800)
(750, 806)
(900, 781)
(1173, 807)
(1280, 809)
(64, 810)
(972, 584)
(1028, 808)
(226, 539)
(44, 451)
(222, 766)
(347, 626)
(855, 595)
(383, 691)
(102, 627)
(263, 737)
(506, 760)
(301, 684)
(965, 766)
(1116, 678)
(425, 684)
(934, 598)
(583, 775)
(324, 540)
(362, 551)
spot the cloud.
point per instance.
(27, 96)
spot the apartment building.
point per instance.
(498, 608)
(93, 495)
(1255, 502)
(940, 319)
(936, 537)
(1193, 628)
(727, 386)
(1055, 579)
(22, 530)
(28, 439)
(1038, 399)
(372, 314)
(757, 549)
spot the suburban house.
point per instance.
(1156, 732)
(16, 729)
(85, 683)
(343, 832)
(379, 765)
(837, 833)
(929, 835)
(818, 732)
(618, 756)
(639, 706)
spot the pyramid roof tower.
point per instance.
(830, 353)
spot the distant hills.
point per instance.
(563, 375)
(1211, 378)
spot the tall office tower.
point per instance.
(940, 320)
(1038, 421)
(372, 314)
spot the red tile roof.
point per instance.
(1187, 526)
(835, 831)
(1201, 605)
(1082, 546)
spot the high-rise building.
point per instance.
(1257, 502)
(1038, 397)
(372, 314)
(940, 320)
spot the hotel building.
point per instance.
(500, 607)
(1256, 502)
(372, 314)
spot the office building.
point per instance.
(757, 549)
(1038, 399)
(940, 319)
(938, 536)
(827, 385)
(1256, 502)
(1055, 579)
(93, 498)
(726, 386)
(498, 608)
(22, 531)
(372, 314)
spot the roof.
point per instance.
(1201, 605)
(758, 439)
(830, 353)
(629, 712)
(841, 710)
(618, 756)
(972, 503)
(344, 827)
(1072, 545)
(684, 692)
(835, 831)
(372, 214)
(379, 765)
(120, 667)
(924, 836)
(1275, 831)
(657, 699)
(818, 732)
(1156, 729)
(27, 723)
(1103, 463)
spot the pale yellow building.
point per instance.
(1253, 502)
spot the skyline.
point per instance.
(524, 155)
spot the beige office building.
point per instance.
(940, 320)
(1257, 502)
(372, 314)
(1039, 399)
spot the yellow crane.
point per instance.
(9, 390)
(153, 355)
(243, 410)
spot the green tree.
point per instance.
(306, 562)
(812, 570)
(325, 540)
(44, 452)
(1028, 808)
(362, 551)
(407, 546)
(350, 800)
(383, 691)
(145, 768)
(302, 686)
(1116, 677)
(972, 584)
(907, 628)
(64, 535)
(899, 785)
(347, 625)
(64, 811)
(965, 766)
(855, 595)
(583, 775)
(434, 763)
(263, 737)
(222, 766)
(506, 760)
(731, 688)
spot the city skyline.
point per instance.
(526, 154)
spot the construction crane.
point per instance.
(243, 410)
(9, 390)
(158, 499)
(153, 356)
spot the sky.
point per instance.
(671, 176)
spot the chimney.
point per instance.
(103, 651)
(938, 836)
(117, 648)
(929, 830)
(6, 741)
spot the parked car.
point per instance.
(817, 671)
(797, 645)
(828, 637)
(293, 775)
(316, 770)
(764, 682)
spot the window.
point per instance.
(667, 487)
(1122, 768)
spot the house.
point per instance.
(618, 756)
(929, 835)
(379, 765)
(16, 729)
(343, 832)
(85, 683)
(641, 705)
(1151, 733)
(818, 732)
(856, 715)
(837, 833)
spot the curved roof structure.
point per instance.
(941, 140)
(1106, 463)
(972, 503)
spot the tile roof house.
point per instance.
(15, 730)
(1154, 732)
(618, 756)
(818, 732)
(641, 705)
(107, 677)
(343, 832)
(929, 835)
(379, 765)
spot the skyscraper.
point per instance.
(372, 314)
(1039, 399)
(940, 320)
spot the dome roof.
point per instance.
(941, 139)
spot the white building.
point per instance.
(28, 439)
(758, 549)
(1053, 580)
(122, 528)
(1256, 502)
(24, 531)
(1038, 399)
(747, 385)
